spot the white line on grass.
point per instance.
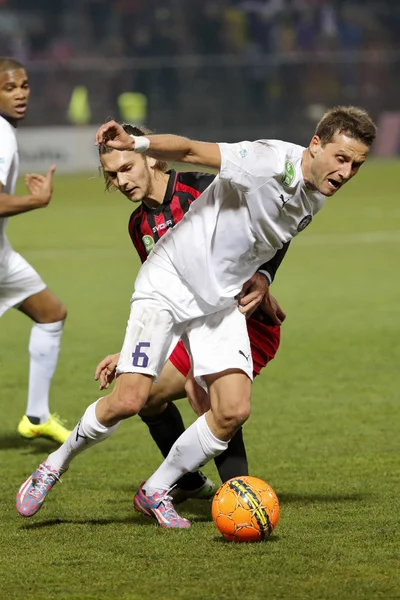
(331, 239)
(325, 239)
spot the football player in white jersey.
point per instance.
(20, 286)
(265, 194)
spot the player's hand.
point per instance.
(252, 294)
(41, 186)
(105, 370)
(113, 135)
(270, 307)
(198, 398)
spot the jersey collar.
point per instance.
(173, 175)
(169, 192)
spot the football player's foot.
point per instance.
(34, 490)
(161, 508)
(205, 492)
(52, 429)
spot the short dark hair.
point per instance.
(160, 165)
(9, 64)
(349, 120)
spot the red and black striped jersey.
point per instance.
(147, 225)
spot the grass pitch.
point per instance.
(324, 431)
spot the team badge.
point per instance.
(304, 222)
(289, 174)
(148, 243)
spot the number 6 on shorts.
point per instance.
(140, 359)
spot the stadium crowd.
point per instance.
(136, 28)
(272, 56)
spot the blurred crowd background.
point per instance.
(214, 69)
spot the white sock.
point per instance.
(195, 447)
(87, 433)
(44, 348)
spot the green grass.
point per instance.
(324, 431)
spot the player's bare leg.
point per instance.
(128, 397)
(169, 387)
(232, 462)
(99, 421)
(230, 393)
(48, 314)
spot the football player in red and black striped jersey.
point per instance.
(165, 197)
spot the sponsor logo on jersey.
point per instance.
(162, 226)
(289, 174)
(304, 222)
(148, 243)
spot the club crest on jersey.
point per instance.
(243, 153)
(304, 222)
(289, 174)
(148, 243)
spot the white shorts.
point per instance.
(18, 281)
(218, 342)
(164, 310)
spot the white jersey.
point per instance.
(9, 164)
(258, 202)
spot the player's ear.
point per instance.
(151, 162)
(315, 145)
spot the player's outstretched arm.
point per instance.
(40, 189)
(172, 148)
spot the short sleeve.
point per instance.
(7, 151)
(248, 165)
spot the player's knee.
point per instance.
(156, 399)
(234, 416)
(152, 409)
(54, 312)
(243, 414)
(58, 312)
(236, 420)
(130, 401)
